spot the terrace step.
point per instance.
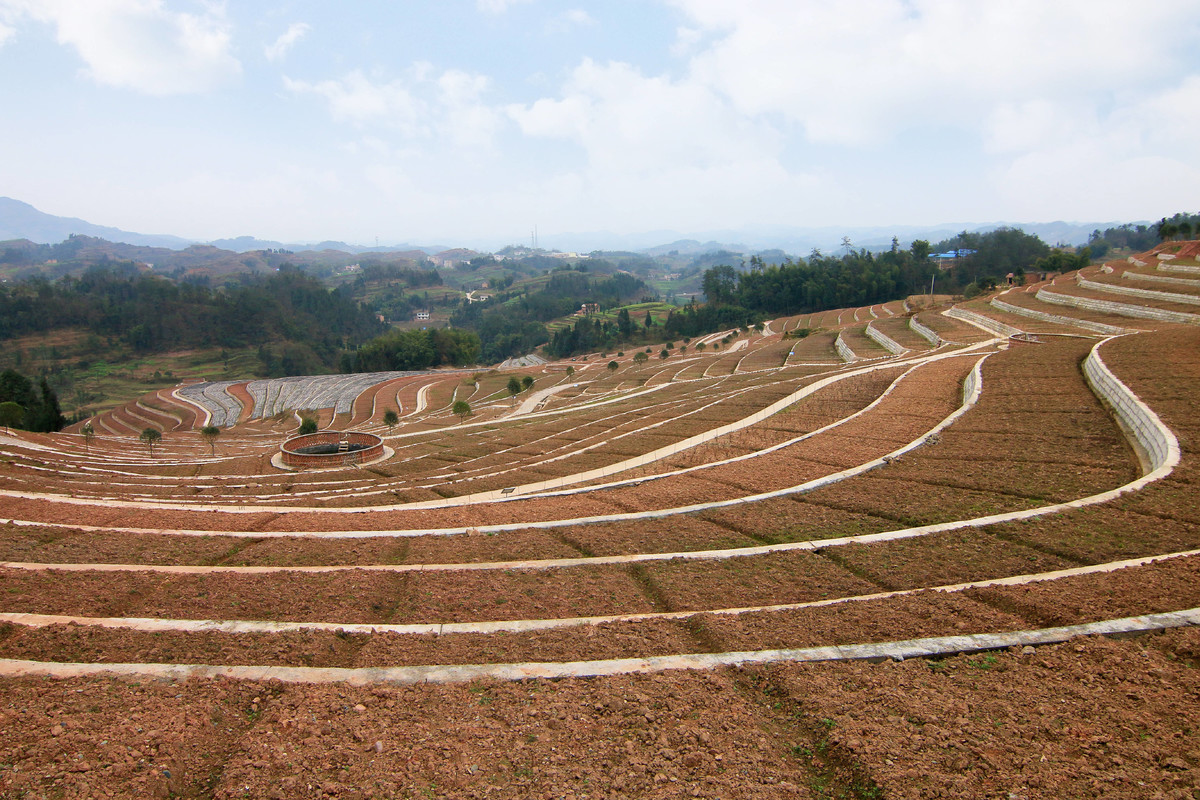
(1036, 438)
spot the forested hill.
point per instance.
(821, 282)
(513, 323)
(860, 277)
(153, 314)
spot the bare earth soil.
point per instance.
(1091, 717)
(1096, 718)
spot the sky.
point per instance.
(475, 121)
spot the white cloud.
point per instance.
(8, 17)
(357, 99)
(570, 20)
(858, 71)
(498, 6)
(419, 105)
(686, 41)
(1015, 127)
(279, 48)
(1173, 115)
(463, 114)
(1141, 155)
(140, 45)
(626, 121)
(1035, 97)
(657, 148)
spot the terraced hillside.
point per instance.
(862, 563)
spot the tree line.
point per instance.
(819, 282)
(1138, 238)
(26, 406)
(405, 350)
(306, 325)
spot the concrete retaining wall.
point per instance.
(464, 673)
(987, 323)
(1158, 445)
(844, 350)
(1179, 268)
(923, 331)
(1149, 294)
(1120, 309)
(1098, 327)
(884, 341)
(1191, 283)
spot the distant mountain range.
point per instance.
(20, 220)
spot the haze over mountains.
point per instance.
(19, 220)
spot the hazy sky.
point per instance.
(452, 120)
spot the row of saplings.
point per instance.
(152, 436)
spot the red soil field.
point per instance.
(1095, 717)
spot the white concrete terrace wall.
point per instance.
(1098, 327)
(1149, 294)
(884, 341)
(1158, 444)
(923, 331)
(987, 323)
(464, 673)
(1120, 309)
(1191, 283)
(844, 350)
(1179, 268)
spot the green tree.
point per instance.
(391, 418)
(663, 353)
(526, 382)
(210, 434)
(11, 415)
(150, 437)
(612, 366)
(514, 386)
(640, 357)
(307, 425)
(719, 284)
(461, 409)
(624, 323)
(570, 371)
(1059, 261)
(49, 414)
